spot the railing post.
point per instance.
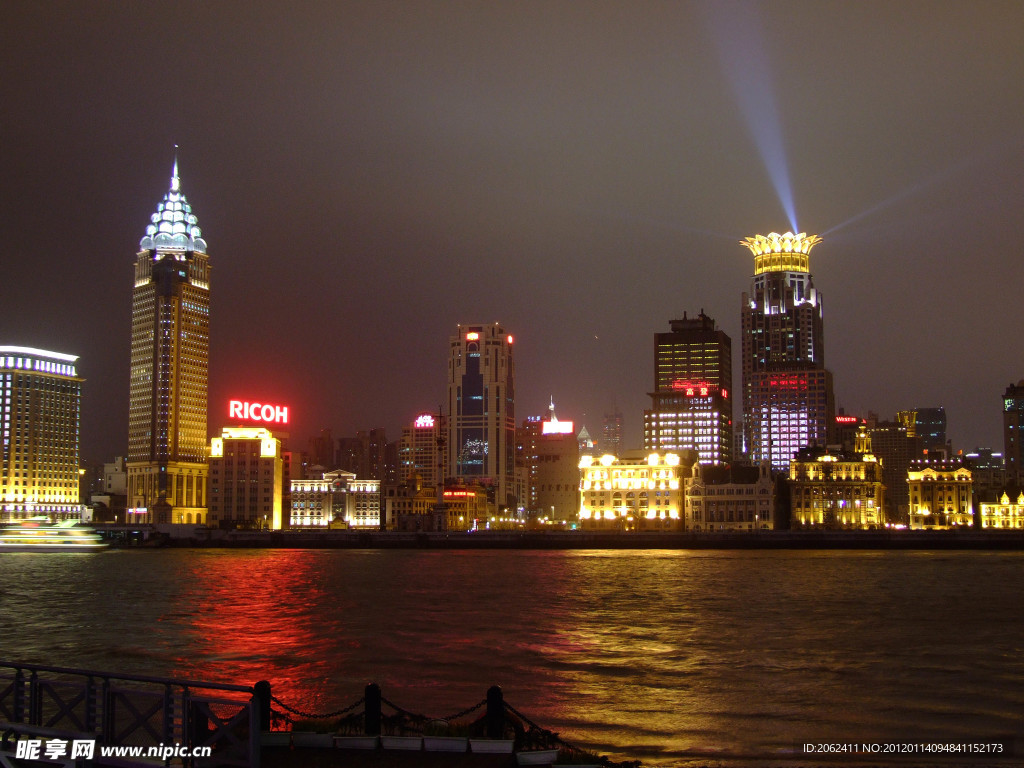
(495, 712)
(107, 724)
(261, 699)
(19, 696)
(35, 701)
(168, 724)
(371, 713)
(90, 704)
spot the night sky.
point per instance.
(368, 175)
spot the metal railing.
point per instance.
(136, 710)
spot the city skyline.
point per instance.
(370, 178)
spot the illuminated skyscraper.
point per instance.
(787, 391)
(481, 400)
(691, 406)
(40, 395)
(167, 475)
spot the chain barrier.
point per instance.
(464, 712)
(549, 735)
(424, 718)
(313, 716)
(401, 711)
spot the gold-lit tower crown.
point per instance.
(781, 253)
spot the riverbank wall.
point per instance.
(809, 540)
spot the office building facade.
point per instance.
(420, 451)
(40, 401)
(481, 439)
(247, 481)
(167, 411)
(691, 405)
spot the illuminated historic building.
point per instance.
(338, 499)
(836, 489)
(420, 451)
(633, 492)
(1013, 422)
(1004, 514)
(691, 408)
(730, 498)
(481, 400)
(40, 399)
(940, 495)
(787, 391)
(169, 359)
(246, 481)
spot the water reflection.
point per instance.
(670, 657)
(253, 616)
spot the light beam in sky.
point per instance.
(739, 38)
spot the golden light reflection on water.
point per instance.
(671, 657)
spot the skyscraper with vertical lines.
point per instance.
(166, 462)
(481, 401)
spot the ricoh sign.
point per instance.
(263, 412)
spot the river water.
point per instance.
(671, 657)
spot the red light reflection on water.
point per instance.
(246, 616)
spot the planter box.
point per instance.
(356, 742)
(410, 743)
(318, 740)
(537, 757)
(276, 738)
(491, 746)
(445, 743)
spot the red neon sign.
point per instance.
(274, 414)
(788, 382)
(697, 389)
(846, 419)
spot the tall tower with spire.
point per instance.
(167, 476)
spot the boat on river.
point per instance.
(40, 535)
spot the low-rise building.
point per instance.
(1004, 514)
(940, 495)
(337, 499)
(835, 489)
(730, 498)
(633, 492)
